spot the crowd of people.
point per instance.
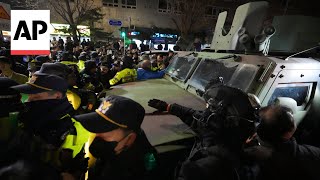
(49, 133)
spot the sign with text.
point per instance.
(4, 17)
(113, 22)
(29, 32)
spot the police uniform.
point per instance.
(127, 74)
(10, 105)
(81, 100)
(74, 99)
(135, 162)
(124, 76)
(50, 133)
(91, 80)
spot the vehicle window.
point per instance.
(298, 93)
(243, 76)
(212, 69)
(180, 66)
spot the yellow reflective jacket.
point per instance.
(73, 99)
(76, 142)
(80, 65)
(124, 76)
(68, 63)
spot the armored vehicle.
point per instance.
(241, 57)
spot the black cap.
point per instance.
(114, 112)
(5, 52)
(66, 56)
(43, 83)
(58, 69)
(42, 58)
(82, 57)
(90, 64)
(5, 84)
(107, 64)
(127, 62)
(10, 99)
(35, 64)
(94, 54)
(5, 60)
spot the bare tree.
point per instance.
(27, 4)
(76, 12)
(189, 16)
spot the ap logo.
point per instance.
(30, 35)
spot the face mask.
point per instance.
(102, 149)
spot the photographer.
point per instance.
(221, 130)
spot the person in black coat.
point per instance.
(221, 131)
(279, 155)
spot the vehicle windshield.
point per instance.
(181, 66)
(233, 73)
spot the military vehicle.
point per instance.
(241, 57)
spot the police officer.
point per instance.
(10, 105)
(221, 131)
(55, 137)
(120, 146)
(68, 59)
(127, 73)
(90, 78)
(35, 64)
(82, 100)
(81, 61)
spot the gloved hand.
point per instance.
(158, 104)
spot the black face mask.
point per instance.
(102, 149)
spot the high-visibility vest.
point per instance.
(126, 75)
(74, 143)
(73, 99)
(81, 65)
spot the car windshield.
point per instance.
(181, 66)
(233, 73)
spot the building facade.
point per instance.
(156, 15)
